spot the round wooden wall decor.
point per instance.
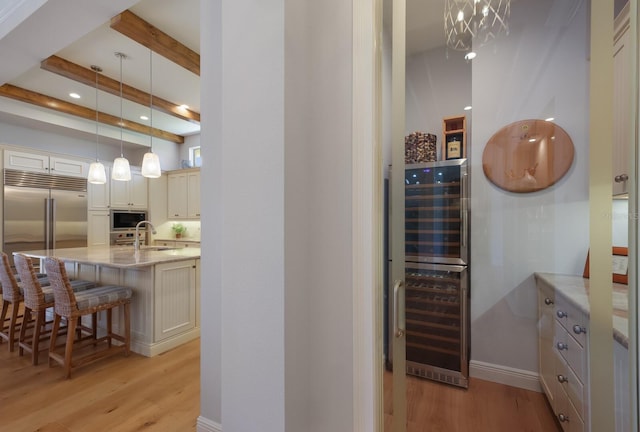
(527, 156)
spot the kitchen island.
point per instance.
(165, 310)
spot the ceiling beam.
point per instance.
(59, 105)
(86, 76)
(156, 40)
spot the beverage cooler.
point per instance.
(436, 271)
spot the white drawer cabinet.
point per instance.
(563, 351)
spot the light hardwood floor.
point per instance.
(118, 394)
(162, 394)
(484, 407)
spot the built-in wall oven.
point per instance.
(123, 227)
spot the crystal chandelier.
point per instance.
(468, 21)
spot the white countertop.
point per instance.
(575, 289)
(118, 256)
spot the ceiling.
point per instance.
(35, 30)
(92, 41)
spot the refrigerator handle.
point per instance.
(52, 224)
(47, 222)
(398, 288)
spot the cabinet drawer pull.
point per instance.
(621, 178)
(577, 329)
(563, 418)
(562, 346)
(561, 314)
(562, 379)
(548, 301)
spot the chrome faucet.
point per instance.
(136, 241)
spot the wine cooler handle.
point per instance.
(463, 210)
(398, 331)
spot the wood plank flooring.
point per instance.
(163, 394)
(120, 394)
(484, 407)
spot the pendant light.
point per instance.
(121, 170)
(151, 161)
(97, 174)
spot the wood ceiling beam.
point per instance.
(86, 76)
(156, 40)
(44, 101)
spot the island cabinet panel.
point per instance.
(175, 302)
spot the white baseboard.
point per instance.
(206, 425)
(505, 375)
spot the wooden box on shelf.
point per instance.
(454, 137)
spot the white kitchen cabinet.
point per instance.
(43, 163)
(546, 323)
(622, 121)
(193, 195)
(183, 194)
(98, 228)
(129, 194)
(98, 194)
(564, 354)
(175, 298)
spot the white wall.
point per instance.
(276, 227)
(539, 70)
(438, 85)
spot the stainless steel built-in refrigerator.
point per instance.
(436, 271)
(43, 211)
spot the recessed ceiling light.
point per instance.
(467, 108)
(144, 117)
(74, 95)
(183, 106)
(470, 55)
(549, 119)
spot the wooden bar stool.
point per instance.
(71, 306)
(11, 299)
(37, 299)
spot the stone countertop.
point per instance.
(118, 256)
(575, 289)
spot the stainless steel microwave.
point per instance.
(126, 219)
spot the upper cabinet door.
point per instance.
(26, 161)
(138, 191)
(99, 194)
(177, 196)
(43, 163)
(68, 167)
(193, 195)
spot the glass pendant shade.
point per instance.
(151, 165)
(121, 170)
(97, 173)
(151, 161)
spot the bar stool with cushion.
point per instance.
(71, 306)
(37, 299)
(11, 298)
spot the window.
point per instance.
(194, 156)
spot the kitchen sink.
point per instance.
(158, 248)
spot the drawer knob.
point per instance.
(563, 418)
(548, 301)
(562, 379)
(562, 346)
(577, 329)
(561, 314)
